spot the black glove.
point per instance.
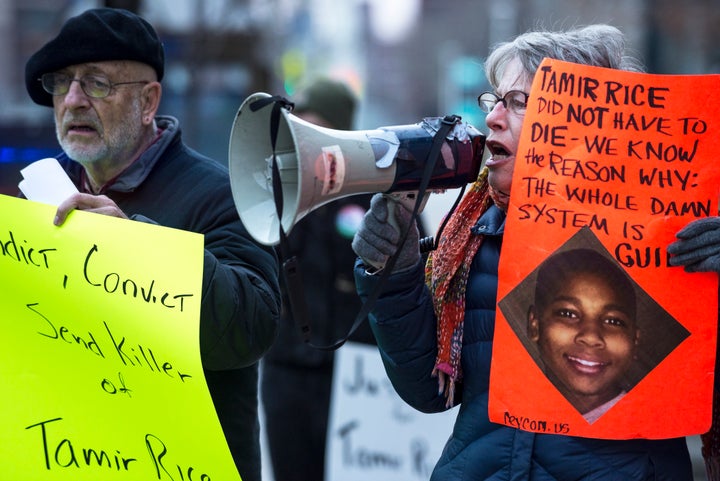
(377, 238)
(698, 246)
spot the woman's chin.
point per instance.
(500, 198)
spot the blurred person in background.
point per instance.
(101, 76)
(434, 322)
(296, 380)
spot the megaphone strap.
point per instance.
(291, 268)
(278, 103)
(275, 99)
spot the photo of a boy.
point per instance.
(584, 323)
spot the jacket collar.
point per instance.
(492, 222)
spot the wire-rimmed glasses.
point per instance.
(514, 100)
(95, 86)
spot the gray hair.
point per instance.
(598, 45)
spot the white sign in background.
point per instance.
(372, 433)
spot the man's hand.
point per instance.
(100, 204)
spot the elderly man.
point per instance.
(101, 75)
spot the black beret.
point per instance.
(96, 35)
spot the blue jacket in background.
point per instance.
(404, 325)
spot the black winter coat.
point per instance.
(174, 186)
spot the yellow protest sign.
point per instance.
(100, 355)
(610, 166)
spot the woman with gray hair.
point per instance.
(434, 325)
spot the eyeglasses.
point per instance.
(95, 86)
(515, 101)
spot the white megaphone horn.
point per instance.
(317, 165)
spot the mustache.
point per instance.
(80, 120)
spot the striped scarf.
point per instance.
(446, 274)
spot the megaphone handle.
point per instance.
(408, 199)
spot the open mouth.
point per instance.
(498, 150)
(498, 153)
(74, 124)
(80, 128)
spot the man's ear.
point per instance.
(533, 325)
(151, 94)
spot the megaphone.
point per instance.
(317, 165)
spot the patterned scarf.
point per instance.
(446, 274)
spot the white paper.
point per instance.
(45, 181)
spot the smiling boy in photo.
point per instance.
(584, 323)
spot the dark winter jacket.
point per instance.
(405, 328)
(174, 186)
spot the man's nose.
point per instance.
(75, 93)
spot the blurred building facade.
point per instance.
(407, 59)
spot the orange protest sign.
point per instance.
(611, 164)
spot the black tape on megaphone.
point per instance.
(458, 164)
